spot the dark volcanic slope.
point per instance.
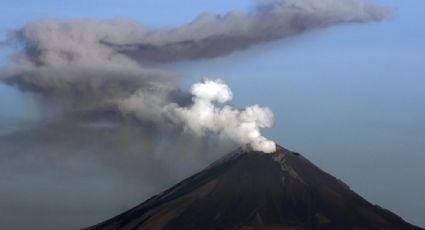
(252, 190)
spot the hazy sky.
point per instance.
(349, 98)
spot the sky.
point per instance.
(349, 98)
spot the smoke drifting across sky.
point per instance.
(103, 75)
(88, 65)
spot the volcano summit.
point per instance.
(253, 190)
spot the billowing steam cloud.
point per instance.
(97, 66)
(205, 116)
(242, 126)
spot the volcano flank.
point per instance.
(253, 190)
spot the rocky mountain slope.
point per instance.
(253, 190)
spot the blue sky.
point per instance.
(350, 98)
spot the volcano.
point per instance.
(253, 190)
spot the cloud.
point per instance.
(97, 66)
(241, 126)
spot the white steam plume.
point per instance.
(206, 116)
